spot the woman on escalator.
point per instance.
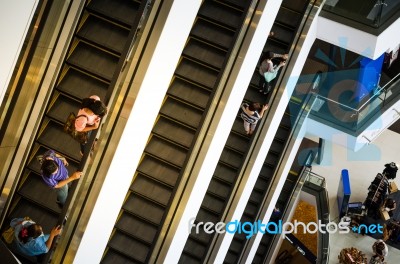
(251, 113)
(89, 116)
(29, 239)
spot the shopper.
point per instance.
(389, 206)
(55, 174)
(267, 68)
(380, 250)
(29, 239)
(89, 116)
(250, 114)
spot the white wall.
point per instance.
(15, 18)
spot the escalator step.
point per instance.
(159, 170)
(95, 61)
(286, 121)
(297, 6)
(267, 171)
(231, 158)
(236, 245)
(283, 34)
(61, 108)
(261, 184)
(81, 85)
(206, 216)
(55, 138)
(151, 189)
(235, 3)
(118, 10)
(238, 142)
(136, 228)
(221, 14)
(219, 188)
(277, 147)
(220, 37)
(166, 151)
(185, 258)
(271, 159)
(144, 208)
(200, 236)
(129, 246)
(42, 193)
(113, 257)
(225, 173)
(231, 258)
(104, 34)
(212, 203)
(170, 129)
(255, 197)
(197, 73)
(289, 17)
(197, 250)
(181, 112)
(282, 134)
(238, 126)
(189, 92)
(251, 209)
(46, 218)
(207, 54)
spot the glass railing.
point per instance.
(372, 13)
(352, 120)
(315, 179)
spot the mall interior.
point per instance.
(171, 166)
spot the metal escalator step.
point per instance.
(197, 73)
(181, 112)
(170, 130)
(238, 126)
(119, 10)
(81, 85)
(275, 45)
(231, 158)
(194, 248)
(206, 216)
(61, 108)
(34, 188)
(129, 246)
(151, 189)
(104, 33)
(159, 170)
(189, 92)
(144, 208)
(46, 218)
(166, 151)
(282, 33)
(236, 245)
(238, 142)
(212, 203)
(253, 93)
(251, 209)
(286, 121)
(277, 147)
(289, 17)
(297, 6)
(267, 171)
(221, 14)
(225, 173)
(218, 36)
(271, 159)
(231, 258)
(256, 197)
(235, 3)
(257, 259)
(113, 257)
(204, 52)
(137, 228)
(54, 137)
(96, 61)
(261, 184)
(201, 236)
(219, 188)
(185, 258)
(282, 134)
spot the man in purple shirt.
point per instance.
(55, 174)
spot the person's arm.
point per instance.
(76, 175)
(63, 159)
(263, 109)
(53, 233)
(93, 127)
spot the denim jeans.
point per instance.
(62, 194)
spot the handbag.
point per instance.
(269, 76)
(8, 235)
(69, 128)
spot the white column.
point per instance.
(15, 19)
(147, 97)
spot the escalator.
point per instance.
(233, 155)
(191, 90)
(89, 67)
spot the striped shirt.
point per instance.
(249, 118)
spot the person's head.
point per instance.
(269, 55)
(389, 203)
(32, 231)
(49, 167)
(255, 107)
(380, 247)
(98, 108)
